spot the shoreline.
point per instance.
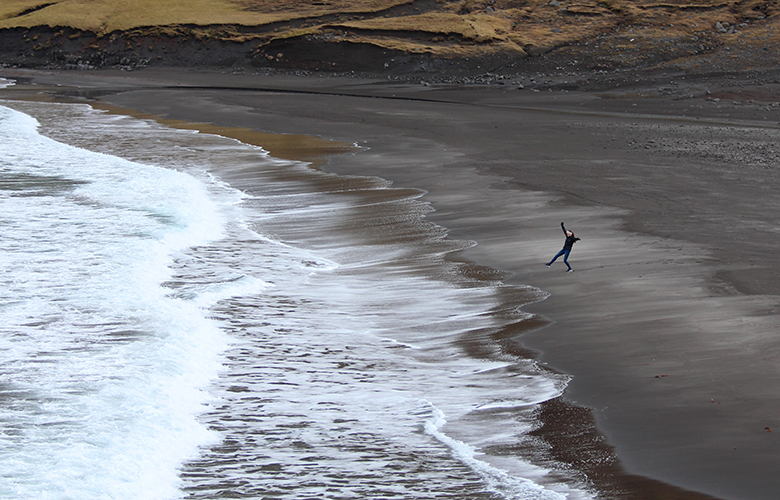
(651, 261)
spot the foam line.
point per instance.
(497, 481)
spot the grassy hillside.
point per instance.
(327, 34)
(105, 16)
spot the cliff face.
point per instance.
(393, 36)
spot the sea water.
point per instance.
(184, 316)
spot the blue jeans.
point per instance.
(565, 252)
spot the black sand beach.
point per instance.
(668, 324)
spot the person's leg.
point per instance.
(566, 258)
(556, 257)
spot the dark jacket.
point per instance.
(570, 240)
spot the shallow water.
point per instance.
(188, 317)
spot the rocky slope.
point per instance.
(422, 38)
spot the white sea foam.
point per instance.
(212, 294)
(103, 372)
(508, 486)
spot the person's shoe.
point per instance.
(570, 271)
(548, 265)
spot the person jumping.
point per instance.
(566, 250)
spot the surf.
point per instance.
(305, 331)
(104, 371)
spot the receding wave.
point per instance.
(355, 359)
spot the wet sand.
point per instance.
(668, 324)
